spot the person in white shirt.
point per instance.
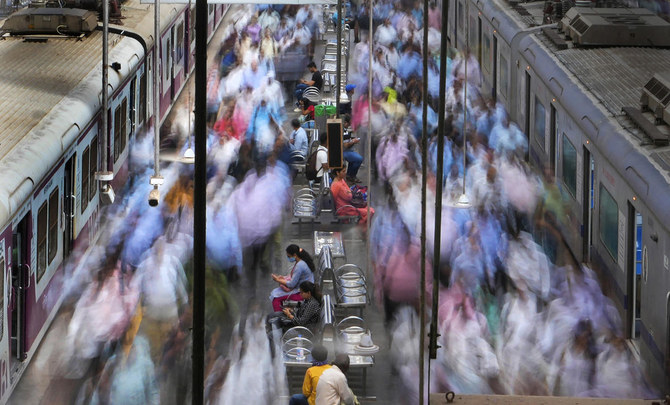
(332, 388)
(322, 156)
(298, 138)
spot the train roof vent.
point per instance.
(615, 27)
(656, 96)
(61, 21)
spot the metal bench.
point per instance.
(350, 288)
(305, 204)
(324, 271)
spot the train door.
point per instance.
(20, 283)
(588, 173)
(553, 133)
(495, 68)
(527, 118)
(634, 271)
(133, 106)
(170, 62)
(69, 206)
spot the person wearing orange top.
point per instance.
(312, 375)
(342, 196)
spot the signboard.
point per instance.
(334, 130)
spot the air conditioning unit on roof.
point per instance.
(615, 27)
(656, 96)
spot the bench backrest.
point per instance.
(327, 320)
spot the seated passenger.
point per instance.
(306, 113)
(333, 388)
(316, 81)
(302, 270)
(319, 365)
(342, 197)
(306, 314)
(298, 139)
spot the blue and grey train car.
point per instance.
(567, 84)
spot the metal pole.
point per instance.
(369, 142)
(424, 159)
(338, 70)
(465, 87)
(105, 84)
(438, 186)
(200, 203)
(157, 88)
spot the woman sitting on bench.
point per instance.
(343, 197)
(306, 314)
(303, 270)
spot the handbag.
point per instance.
(359, 196)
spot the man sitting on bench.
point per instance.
(316, 81)
(319, 365)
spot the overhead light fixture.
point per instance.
(188, 157)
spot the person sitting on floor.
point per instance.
(303, 270)
(319, 365)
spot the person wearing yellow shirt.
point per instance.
(312, 375)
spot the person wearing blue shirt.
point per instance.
(410, 64)
(298, 138)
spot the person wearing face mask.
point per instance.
(302, 270)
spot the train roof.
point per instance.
(50, 91)
(612, 78)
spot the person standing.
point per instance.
(332, 388)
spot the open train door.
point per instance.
(20, 283)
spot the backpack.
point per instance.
(310, 167)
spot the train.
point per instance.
(51, 144)
(584, 85)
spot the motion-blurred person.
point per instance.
(128, 377)
(312, 375)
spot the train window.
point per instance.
(569, 159)
(180, 41)
(120, 128)
(503, 76)
(486, 53)
(52, 241)
(472, 39)
(92, 168)
(540, 122)
(42, 217)
(85, 178)
(117, 133)
(609, 222)
(142, 109)
(124, 124)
